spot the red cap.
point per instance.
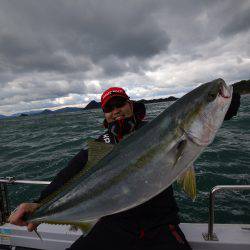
(112, 92)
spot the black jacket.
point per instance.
(158, 210)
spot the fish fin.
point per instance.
(38, 235)
(73, 228)
(179, 148)
(188, 182)
(97, 150)
(84, 226)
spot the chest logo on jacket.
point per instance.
(106, 138)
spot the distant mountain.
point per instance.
(242, 87)
(67, 109)
(168, 99)
(22, 115)
(63, 110)
(46, 112)
(26, 113)
(3, 116)
(93, 105)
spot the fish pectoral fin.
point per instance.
(188, 182)
(178, 151)
(97, 150)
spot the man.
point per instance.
(151, 225)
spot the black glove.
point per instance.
(234, 106)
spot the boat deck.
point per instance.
(230, 237)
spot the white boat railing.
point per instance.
(210, 235)
(12, 180)
(4, 199)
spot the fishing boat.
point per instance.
(203, 236)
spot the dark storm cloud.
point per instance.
(21, 56)
(57, 49)
(115, 66)
(83, 38)
(239, 23)
(43, 35)
(27, 53)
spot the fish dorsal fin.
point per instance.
(97, 150)
(84, 226)
(188, 182)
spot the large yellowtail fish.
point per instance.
(117, 178)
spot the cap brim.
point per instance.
(112, 97)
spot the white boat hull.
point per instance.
(230, 236)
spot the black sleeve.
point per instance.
(234, 106)
(75, 165)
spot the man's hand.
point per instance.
(17, 216)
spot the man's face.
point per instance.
(117, 108)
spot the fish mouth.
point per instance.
(224, 91)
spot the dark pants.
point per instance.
(110, 237)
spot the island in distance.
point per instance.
(95, 105)
(91, 105)
(241, 87)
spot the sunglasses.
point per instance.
(111, 106)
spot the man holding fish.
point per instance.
(127, 199)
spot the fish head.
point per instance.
(209, 106)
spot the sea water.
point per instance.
(38, 147)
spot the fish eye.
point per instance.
(211, 97)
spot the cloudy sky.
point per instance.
(65, 53)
